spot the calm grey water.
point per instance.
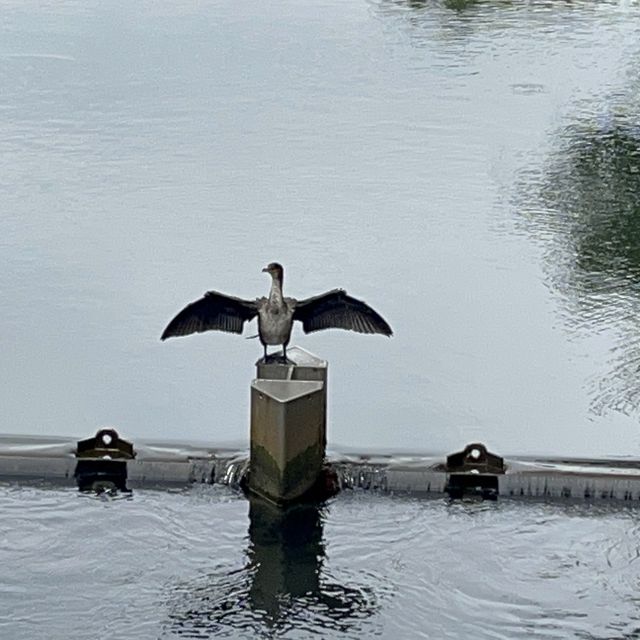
(204, 563)
(470, 169)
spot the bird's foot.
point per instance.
(277, 358)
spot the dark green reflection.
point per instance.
(459, 5)
(594, 189)
(430, 23)
(463, 5)
(283, 588)
(455, 5)
(591, 211)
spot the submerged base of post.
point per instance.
(288, 428)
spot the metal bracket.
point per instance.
(475, 457)
(106, 444)
(102, 462)
(474, 471)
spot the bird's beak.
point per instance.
(265, 270)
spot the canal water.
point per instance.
(470, 168)
(205, 563)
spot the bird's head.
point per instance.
(275, 270)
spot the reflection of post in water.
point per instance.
(287, 553)
(284, 584)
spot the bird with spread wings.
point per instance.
(276, 314)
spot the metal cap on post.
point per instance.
(288, 426)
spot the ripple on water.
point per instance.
(499, 570)
(204, 562)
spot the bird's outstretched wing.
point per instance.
(336, 310)
(213, 311)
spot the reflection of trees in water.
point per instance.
(594, 189)
(425, 10)
(456, 5)
(453, 5)
(429, 20)
(446, 27)
(282, 589)
(591, 204)
(461, 5)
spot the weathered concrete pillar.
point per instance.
(288, 426)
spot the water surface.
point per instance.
(205, 563)
(468, 168)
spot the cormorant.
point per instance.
(331, 310)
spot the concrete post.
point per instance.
(288, 426)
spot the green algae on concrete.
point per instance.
(297, 476)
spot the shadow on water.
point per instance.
(589, 215)
(282, 588)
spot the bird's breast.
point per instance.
(274, 325)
